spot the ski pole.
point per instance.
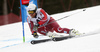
(67, 16)
(64, 17)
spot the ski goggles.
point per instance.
(31, 12)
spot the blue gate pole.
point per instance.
(22, 21)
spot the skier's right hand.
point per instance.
(35, 35)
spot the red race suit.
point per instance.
(45, 25)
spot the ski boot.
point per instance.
(73, 32)
(51, 34)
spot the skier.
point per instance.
(40, 21)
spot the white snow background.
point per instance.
(11, 36)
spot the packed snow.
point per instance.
(88, 21)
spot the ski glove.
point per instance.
(35, 28)
(35, 35)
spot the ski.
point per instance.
(61, 38)
(39, 41)
(51, 39)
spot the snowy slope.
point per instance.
(85, 21)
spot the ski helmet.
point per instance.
(32, 8)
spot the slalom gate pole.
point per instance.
(22, 20)
(65, 17)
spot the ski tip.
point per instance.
(32, 42)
